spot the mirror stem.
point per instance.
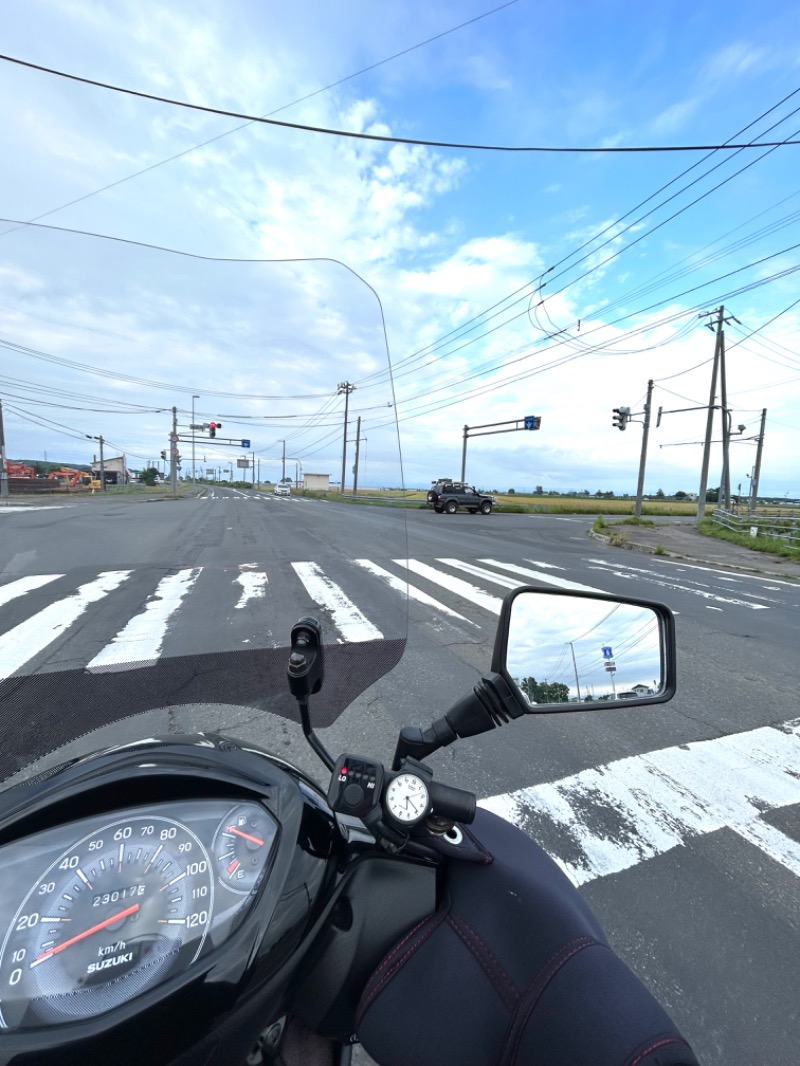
(491, 703)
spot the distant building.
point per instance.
(320, 482)
(116, 470)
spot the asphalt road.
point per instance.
(680, 823)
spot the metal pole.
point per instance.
(725, 483)
(701, 496)
(464, 455)
(254, 469)
(3, 467)
(757, 471)
(355, 465)
(193, 474)
(283, 461)
(102, 465)
(643, 459)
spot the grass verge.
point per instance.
(773, 545)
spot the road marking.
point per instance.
(454, 584)
(31, 637)
(253, 582)
(403, 587)
(536, 562)
(139, 642)
(612, 817)
(631, 573)
(537, 575)
(25, 584)
(347, 618)
(715, 570)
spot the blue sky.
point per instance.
(442, 235)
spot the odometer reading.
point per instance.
(111, 917)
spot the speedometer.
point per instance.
(117, 912)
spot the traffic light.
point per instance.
(622, 416)
(164, 454)
(213, 427)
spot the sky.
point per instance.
(497, 284)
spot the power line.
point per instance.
(384, 138)
(276, 111)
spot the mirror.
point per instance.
(569, 651)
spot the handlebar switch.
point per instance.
(356, 785)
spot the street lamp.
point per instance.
(193, 399)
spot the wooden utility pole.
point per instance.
(643, 457)
(346, 388)
(3, 466)
(757, 471)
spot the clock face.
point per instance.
(407, 799)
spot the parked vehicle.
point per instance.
(283, 489)
(448, 496)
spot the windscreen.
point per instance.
(240, 471)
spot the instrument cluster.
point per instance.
(98, 911)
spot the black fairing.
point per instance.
(237, 987)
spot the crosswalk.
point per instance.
(357, 597)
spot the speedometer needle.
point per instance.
(87, 932)
(246, 836)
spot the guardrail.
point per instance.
(783, 528)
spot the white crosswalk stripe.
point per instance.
(348, 619)
(27, 640)
(24, 585)
(141, 640)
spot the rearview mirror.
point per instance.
(569, 651)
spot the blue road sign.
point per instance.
(245, 443)
(607, 653)
(532, 421)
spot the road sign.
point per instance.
(611, 667)
(607, 652)
(243, 464)
(533, 421)
(196, 425)
(245, 443)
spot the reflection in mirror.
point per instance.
(574, 649)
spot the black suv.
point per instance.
(447, 495)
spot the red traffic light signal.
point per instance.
(213, 427)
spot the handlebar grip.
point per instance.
(454, 803)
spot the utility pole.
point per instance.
(102, 461)
(757, 471)
(643, 459)
(719, 367)
(283, 461)
(346, 388)
(355, 465)
(254, 469)
(701, 495)
(173, 452)
(3, 467)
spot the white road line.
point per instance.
(663, 799)
(536, 562)
(453, 584)
(34, 507)
(404, 588)
(25, 584)
(537, 575)
(654, 578)
(347, 618)
(253, 582)
(711, 570)
(31, 637)
(139, 642)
